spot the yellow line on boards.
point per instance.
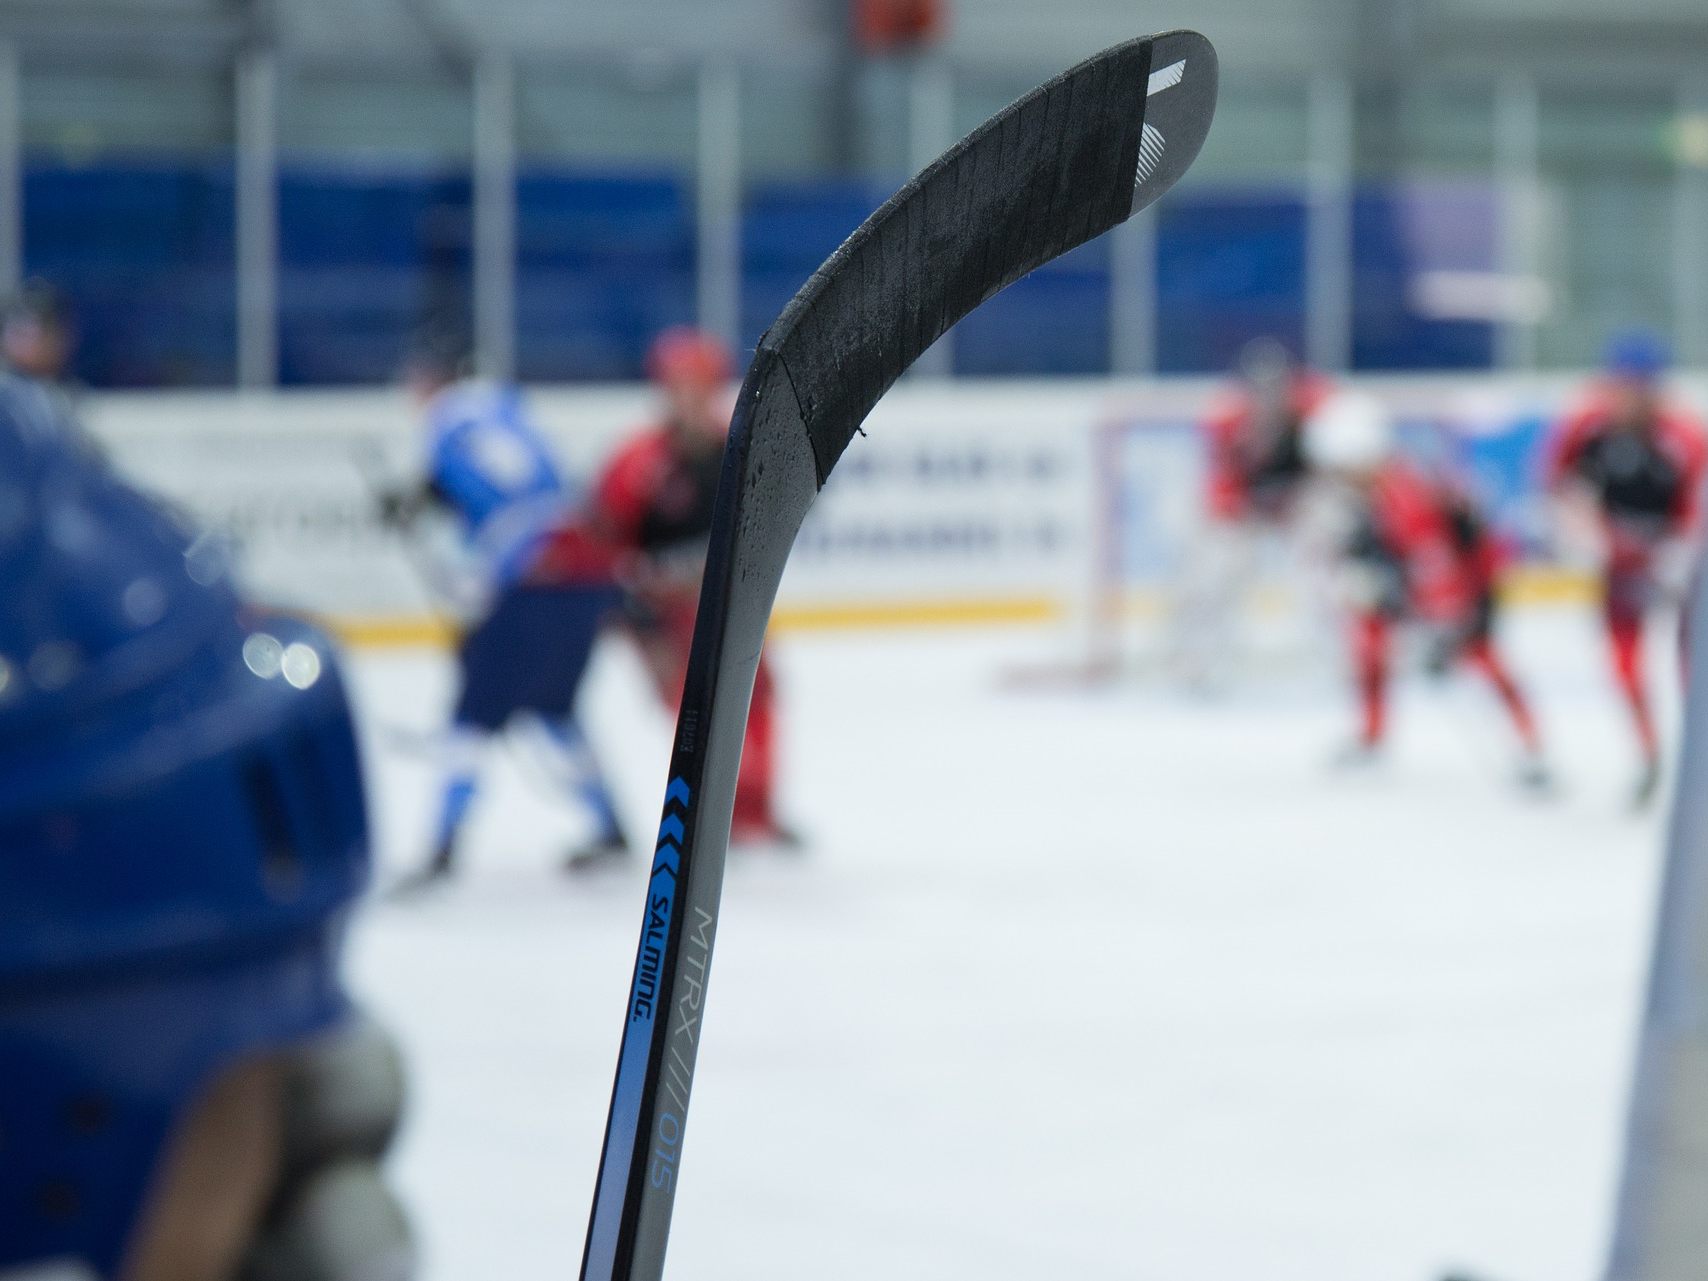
(1549, 586)
(918, 613)
(1528, 587)
(399, 631)
(422, 630)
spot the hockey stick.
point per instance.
(368, 459)
(1659, 1230)
(1063, 164)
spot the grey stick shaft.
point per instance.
(1661, 1227)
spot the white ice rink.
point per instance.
(1116, 985)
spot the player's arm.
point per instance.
(1420, 531)
(624, 491)
(1564, 457)
(1672, 560)
(619, 502)
(405, 504)
(1578, 532)
(1368, 577)
(575, 553)
(576, 550)
(1692, 451)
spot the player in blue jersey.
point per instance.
(490, 470)
(185, 1091)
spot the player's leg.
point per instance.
(1625, 637)
(547, 631)
(754, 820)
(1481, 654)
(1623, 616)
(465, 746)
(666, 646)
(577, 765)
(1372, 643)
(665, 636)
(585, 777)
(1478, 651)
(481, 709)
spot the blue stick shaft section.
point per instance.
(628, 1097)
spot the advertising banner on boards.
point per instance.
(971, 499)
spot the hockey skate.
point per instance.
(1534, 775)
(437, 871)
(606, 851)
(1647, 787)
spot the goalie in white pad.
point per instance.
(1255, 473)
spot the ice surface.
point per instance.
(1072, 984)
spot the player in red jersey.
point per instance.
(1627, 462)
(1416, 551)
(654, 499)
(1255, 471)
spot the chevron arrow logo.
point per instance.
(672, 831)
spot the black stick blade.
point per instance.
(1065, 163)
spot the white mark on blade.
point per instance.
(1166, 77)
(1151, 143)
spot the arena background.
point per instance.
(266, 193)
(981, 501)
(1124, 981)
(267, 196)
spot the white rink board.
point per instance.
(972, 491)
(962, 492)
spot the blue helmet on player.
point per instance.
(181, 831)
(1637, 355)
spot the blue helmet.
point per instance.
(181, 832)
(1637, 354)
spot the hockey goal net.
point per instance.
(1170, 596)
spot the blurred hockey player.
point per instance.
(37, 335)
(186, 1093)
(38, 338)
(654, 499)
(489, 469)
(1254, 436)
(1626, 466)
(1415, 551)
(1255, 469)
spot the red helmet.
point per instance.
(684, 354)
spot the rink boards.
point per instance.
(966, 502)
